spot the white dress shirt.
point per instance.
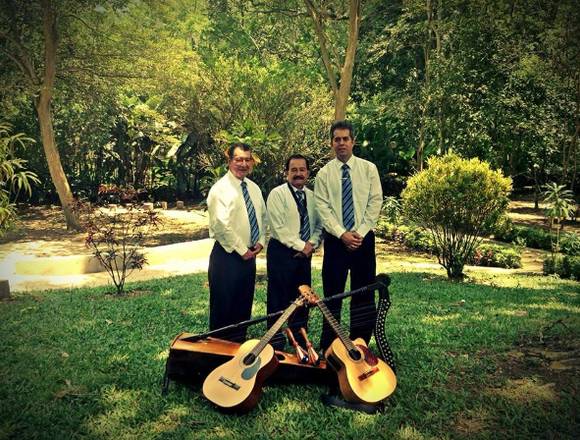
(367, 195)
(285, 218)
(228, 217)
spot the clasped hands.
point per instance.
(352, 240)
(251, 253)
(306, 252)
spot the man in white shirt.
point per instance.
(295, 234)
(237, 222)
(348, 198)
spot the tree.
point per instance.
(339, 74)
(458, 201)
(43, 86)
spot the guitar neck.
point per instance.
(274, 329)
(335, 326)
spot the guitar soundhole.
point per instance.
(249, 359)
(354, 354)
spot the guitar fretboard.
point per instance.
(335, 326)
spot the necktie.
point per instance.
(254, 229)
(304, 221)
(347, 203)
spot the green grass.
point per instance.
(84, 364)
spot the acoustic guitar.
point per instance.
(362, 376)
(237, 384)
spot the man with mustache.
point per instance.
(237, 222)
(295, 234)
(349, 199)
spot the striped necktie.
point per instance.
(347, 203)
(304, 220)
(254, 229)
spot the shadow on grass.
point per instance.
(83, 363)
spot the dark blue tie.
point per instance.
(304, 220)
(347, 203)
(254, 229)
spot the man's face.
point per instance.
(241, 163)
(342, 144)
(297, 173)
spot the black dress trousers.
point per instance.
(285, 274)
(231, 291)
(361, 263)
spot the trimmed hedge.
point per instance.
(421, 240)
(566, 266)
(493, 255)
(537, 238)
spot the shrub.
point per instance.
(570, 244)
(566, 266)
(391, 210)
(116, 238)
(14, 178)
(492, 255)
(457, 201)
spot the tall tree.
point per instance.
(42, 86)
(338, 68)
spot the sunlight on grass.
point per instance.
(170, 420)
(557, 306)
(409, 433)
(526, 391)
(437, 319)
(121, 407)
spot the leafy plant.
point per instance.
(458, 201)
(497, 256)
(566, 266)
(14, 178)
(561, 205)
(116, 237)
(391, 209)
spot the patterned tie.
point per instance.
(347, 203)
(254, 229)
(304, 221)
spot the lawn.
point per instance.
(495, 357)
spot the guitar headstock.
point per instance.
(308, 294)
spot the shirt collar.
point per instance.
(350, 162)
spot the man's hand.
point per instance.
(257, 249)
(248, 255)
(352, 240)
(308, 249)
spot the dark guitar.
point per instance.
(362, 376)
(237, 384)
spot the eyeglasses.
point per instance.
(243, 159)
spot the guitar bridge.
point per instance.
(368, 373)
(229, 383)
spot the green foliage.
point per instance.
(496, 256)
(391, 210)
(537, 238)
(14, 178)
(458, 201)
(566, 266)
(560, 205)
(570, 244)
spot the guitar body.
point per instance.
(236, 386)
(366, 380)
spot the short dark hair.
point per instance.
(296, 156)
(240, 145)
(341, 124)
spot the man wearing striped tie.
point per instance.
(295, 233)
(349, 198)
(237, 222)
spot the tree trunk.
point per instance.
(45, 117)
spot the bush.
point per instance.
(566, 266)
(492, 255)
(570, 244)
(537, 238)
(458, 201)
